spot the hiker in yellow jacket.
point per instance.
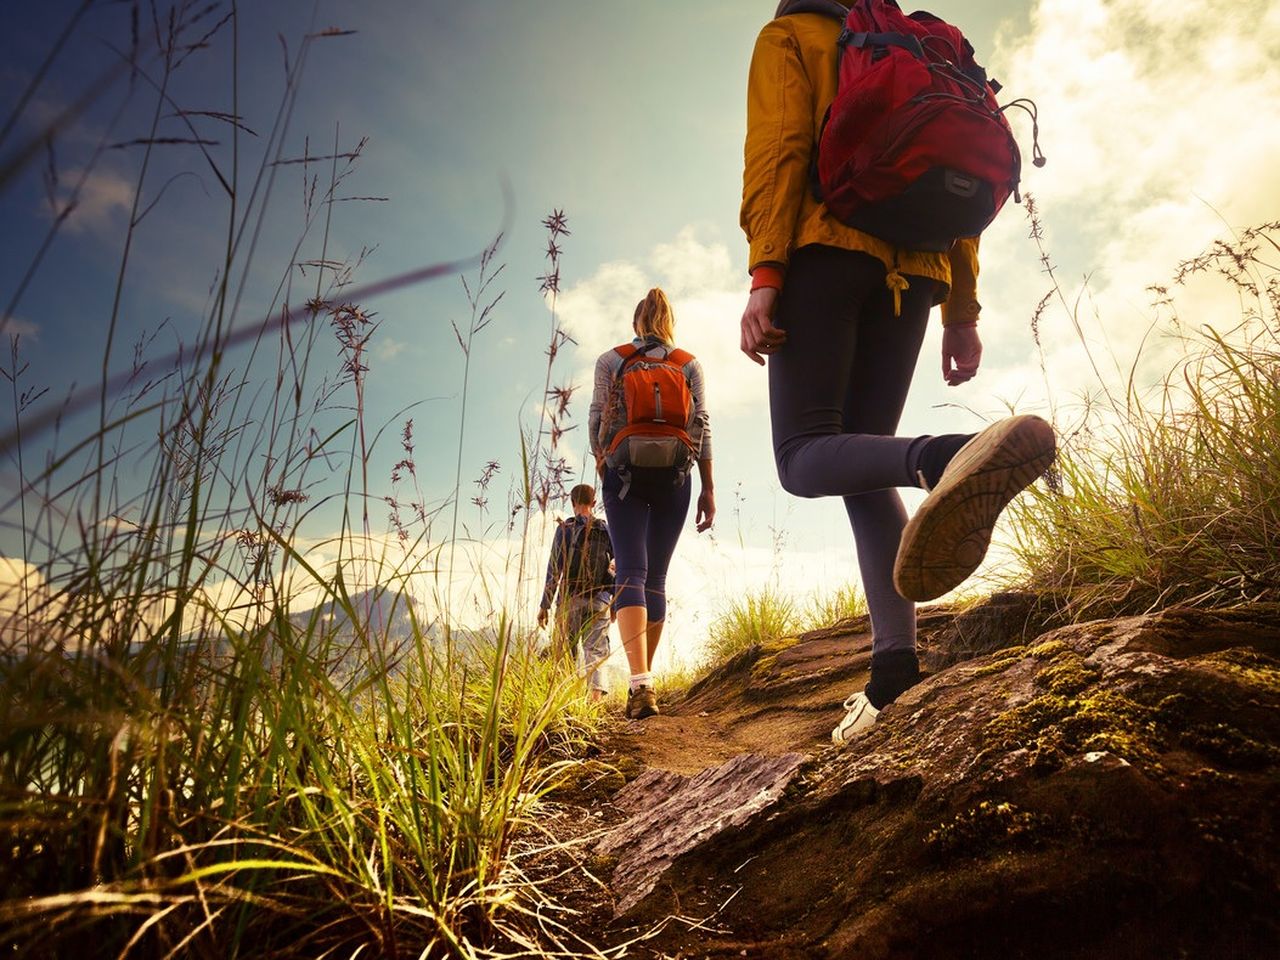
(840, 315)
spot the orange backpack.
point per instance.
(652, 401)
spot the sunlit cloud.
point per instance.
(28, 609)
(707, 294)
(16, 576)
(1147, 166)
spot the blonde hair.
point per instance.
(654, 317)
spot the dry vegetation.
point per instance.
(210, 745)
(1172, 495)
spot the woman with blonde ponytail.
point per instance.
(649, 426)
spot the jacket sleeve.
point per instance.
(780, 136)
(962, 305)
(553, 567)
(699, 419)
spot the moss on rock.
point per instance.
(1231, 747)
(1067, 674)
(1074, 716)
(1246, 666)
(767, 659)
(1055, 726)
(988, 825)
(1047, 649)
(1006, 658)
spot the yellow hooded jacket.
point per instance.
(792, 81)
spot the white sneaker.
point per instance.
(859, 716)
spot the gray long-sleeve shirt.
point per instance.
(607, 367)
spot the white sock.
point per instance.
(639, 680)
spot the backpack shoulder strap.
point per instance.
(576, 537)
(679, 357)
(628, 352)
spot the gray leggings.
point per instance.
(836, 392)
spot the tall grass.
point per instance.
(828, 609)
(211, 745)
(1173, 495)
(755, 618)
(759, 618)
(254, 800)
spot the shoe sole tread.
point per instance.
(962, 509)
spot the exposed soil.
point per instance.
(1110, 790)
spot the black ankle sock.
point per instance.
(892, 672)
(937, 453)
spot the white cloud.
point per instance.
(102, 203)
(707, 294)
(1150, 118)
(27, 608)
(16, 575)
(18, 327)
(597, 311)
(387, 348)
(689, 266)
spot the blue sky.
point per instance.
(1159, 128)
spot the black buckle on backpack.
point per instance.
(904, 40)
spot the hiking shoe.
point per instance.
(641, 703)
(859, 716)
(948, 536)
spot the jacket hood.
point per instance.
(830, 7)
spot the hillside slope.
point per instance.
(1108, 789)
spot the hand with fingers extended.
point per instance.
(961, 353)
(759, 336)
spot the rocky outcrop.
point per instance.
(1109, 789)
(672, 814)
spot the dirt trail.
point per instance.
(784, 700)
(787, 700)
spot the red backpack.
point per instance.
(652, 401)
(914, 148)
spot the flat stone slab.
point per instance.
(671, 814)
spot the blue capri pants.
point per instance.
(644, 526)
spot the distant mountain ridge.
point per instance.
(380, 613)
